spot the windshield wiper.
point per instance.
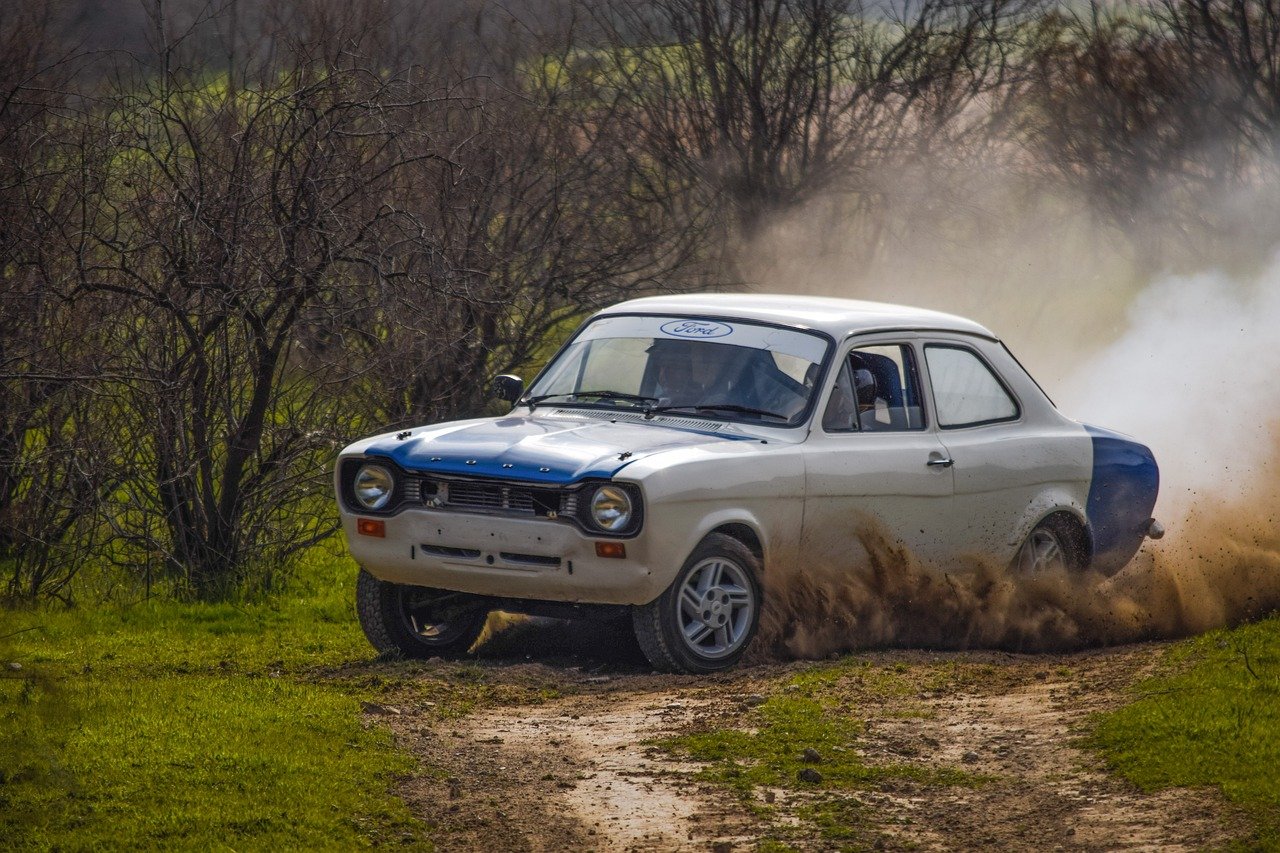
(603, 395)
(717, 407)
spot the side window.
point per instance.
(877, 390)
(965, 390)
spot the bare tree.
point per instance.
(1234, 48)
(60, 462)
(1162, 121)
(767, 103)
(523, 225)
(1109, 109)
(236, 275)
(51, 479)
(220, 221)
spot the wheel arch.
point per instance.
(1081, 525)
(1063, 505)
(744, 533)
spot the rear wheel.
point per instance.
(415, 621)
(1055, 544)
(705, 620)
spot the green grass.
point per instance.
(811, 711)
(771, 755)
(225, 726)
(1212, 719)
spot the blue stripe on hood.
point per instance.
(536, 449)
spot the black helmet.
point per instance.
(864, 384)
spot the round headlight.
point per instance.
(611, 508)
(373, 486)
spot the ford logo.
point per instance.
(696, 329)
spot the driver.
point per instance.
(685, 373)
(864, 384)
(853, 396)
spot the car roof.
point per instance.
(837, 317)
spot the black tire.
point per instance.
(1059, 533)
(728, 607)
(416, 621)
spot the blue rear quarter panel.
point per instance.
(1122, 495)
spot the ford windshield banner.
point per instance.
(699, 329)
(741, 333)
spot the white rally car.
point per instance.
(678, 447)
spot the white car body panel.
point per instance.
(858, 478)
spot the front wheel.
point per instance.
(415, 621)
(704, 621)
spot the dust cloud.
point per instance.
(1196, 376)
(1189, 364)
(1227, 572)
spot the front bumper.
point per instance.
(506, 557)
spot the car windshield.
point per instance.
(730, 370)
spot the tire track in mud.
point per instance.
(576, 773)
(1045, 791)
(629, 793)
(580, 773)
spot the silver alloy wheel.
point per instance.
(716, 607)
(1041, 552)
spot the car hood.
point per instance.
(535, 448)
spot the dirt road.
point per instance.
(580, 765)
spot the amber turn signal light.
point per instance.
(611, 549)
(371, 527)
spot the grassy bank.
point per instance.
(1211, 718)
(211, 726)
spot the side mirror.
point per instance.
(507, 387)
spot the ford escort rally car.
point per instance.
(676, 448)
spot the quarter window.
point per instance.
(965, 391)
(876, 390)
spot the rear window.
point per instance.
(966, 392)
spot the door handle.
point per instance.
(943, 462)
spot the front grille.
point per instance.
(487, 496)
(491, 497)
